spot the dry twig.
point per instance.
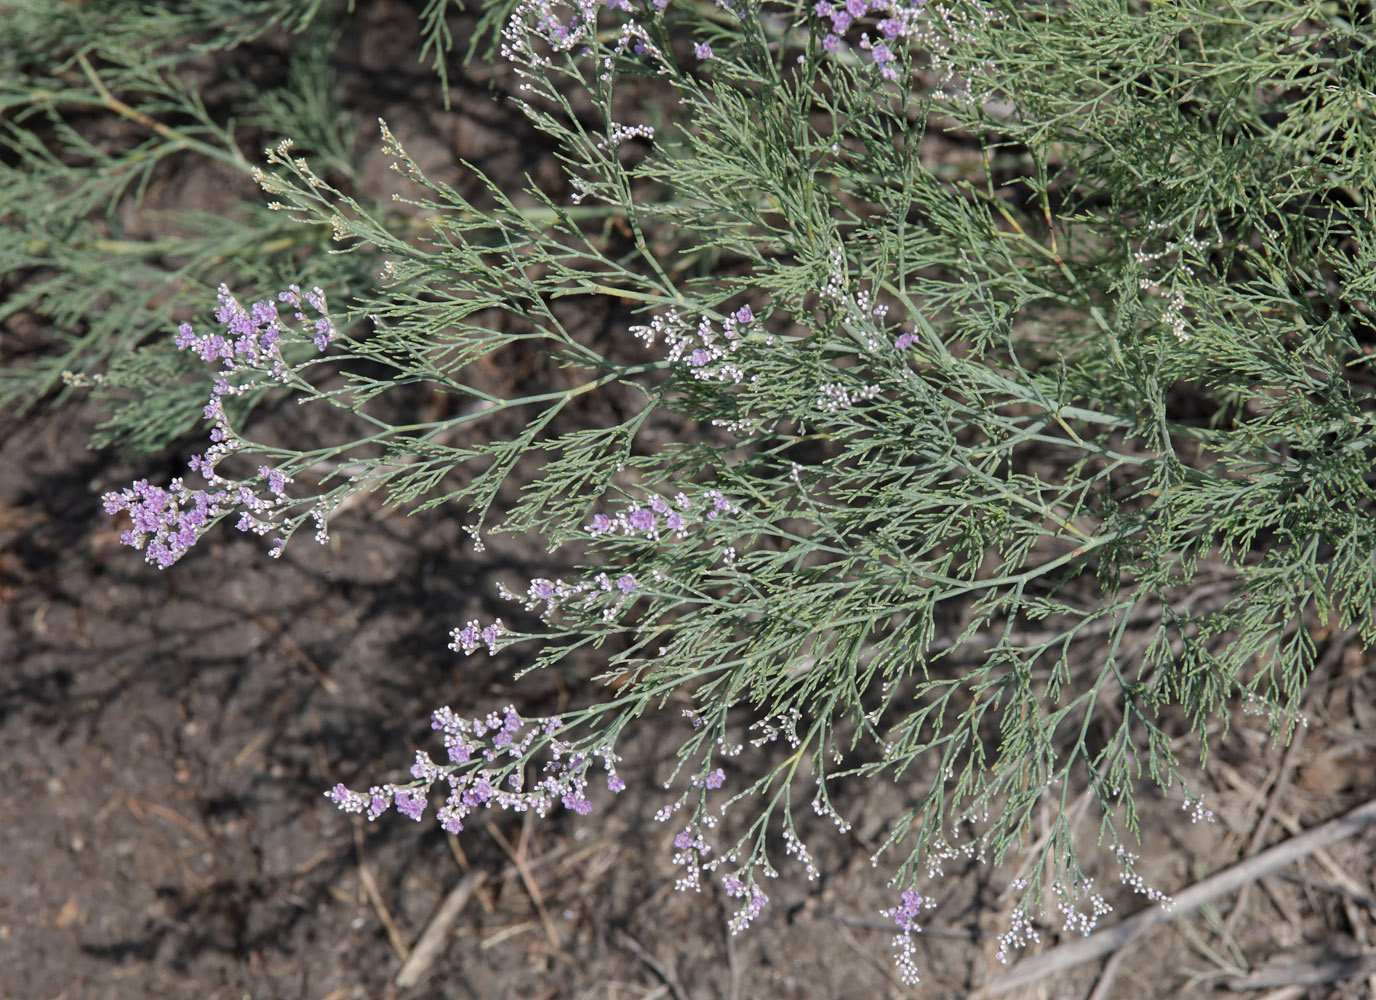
(277, 631)
(374, 894)
(662, 971)
(432, 940)
(1317, 679)
(518, 859)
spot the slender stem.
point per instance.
(233, 157)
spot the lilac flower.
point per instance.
(324, 333)
(512, 737)
(347, 801)
(744, 315)
(904, 341)
(905, 916)
(424, 769)
(277, 482)
(575, 802)
(911, 906)
(715, 779)
(626, 584)
(410, 804)
(702, 50)
(641, 520)
(466, 638)
(451, 821)
(754, 902)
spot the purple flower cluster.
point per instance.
(485, 771)
(653, 519)
(660, 515)
(705, 350)
(905, 916)
(472, 635)
(753, 897)
(555, 595)
(168, 522)
(908, 910)
(898, 19)
(690, 848)
(252, 338)
(570, 25)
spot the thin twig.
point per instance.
(277, 631)
(1318, 677)
(433, 939)
(1363, 899)
(1244, 872)
(123, 110)
(1103, 988)
(733, 964)
(528, 880)
(660, 970)
(374, 894)
(1335, 871)
(1316, 973)
(231, 156)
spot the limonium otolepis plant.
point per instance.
(1010, 450)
